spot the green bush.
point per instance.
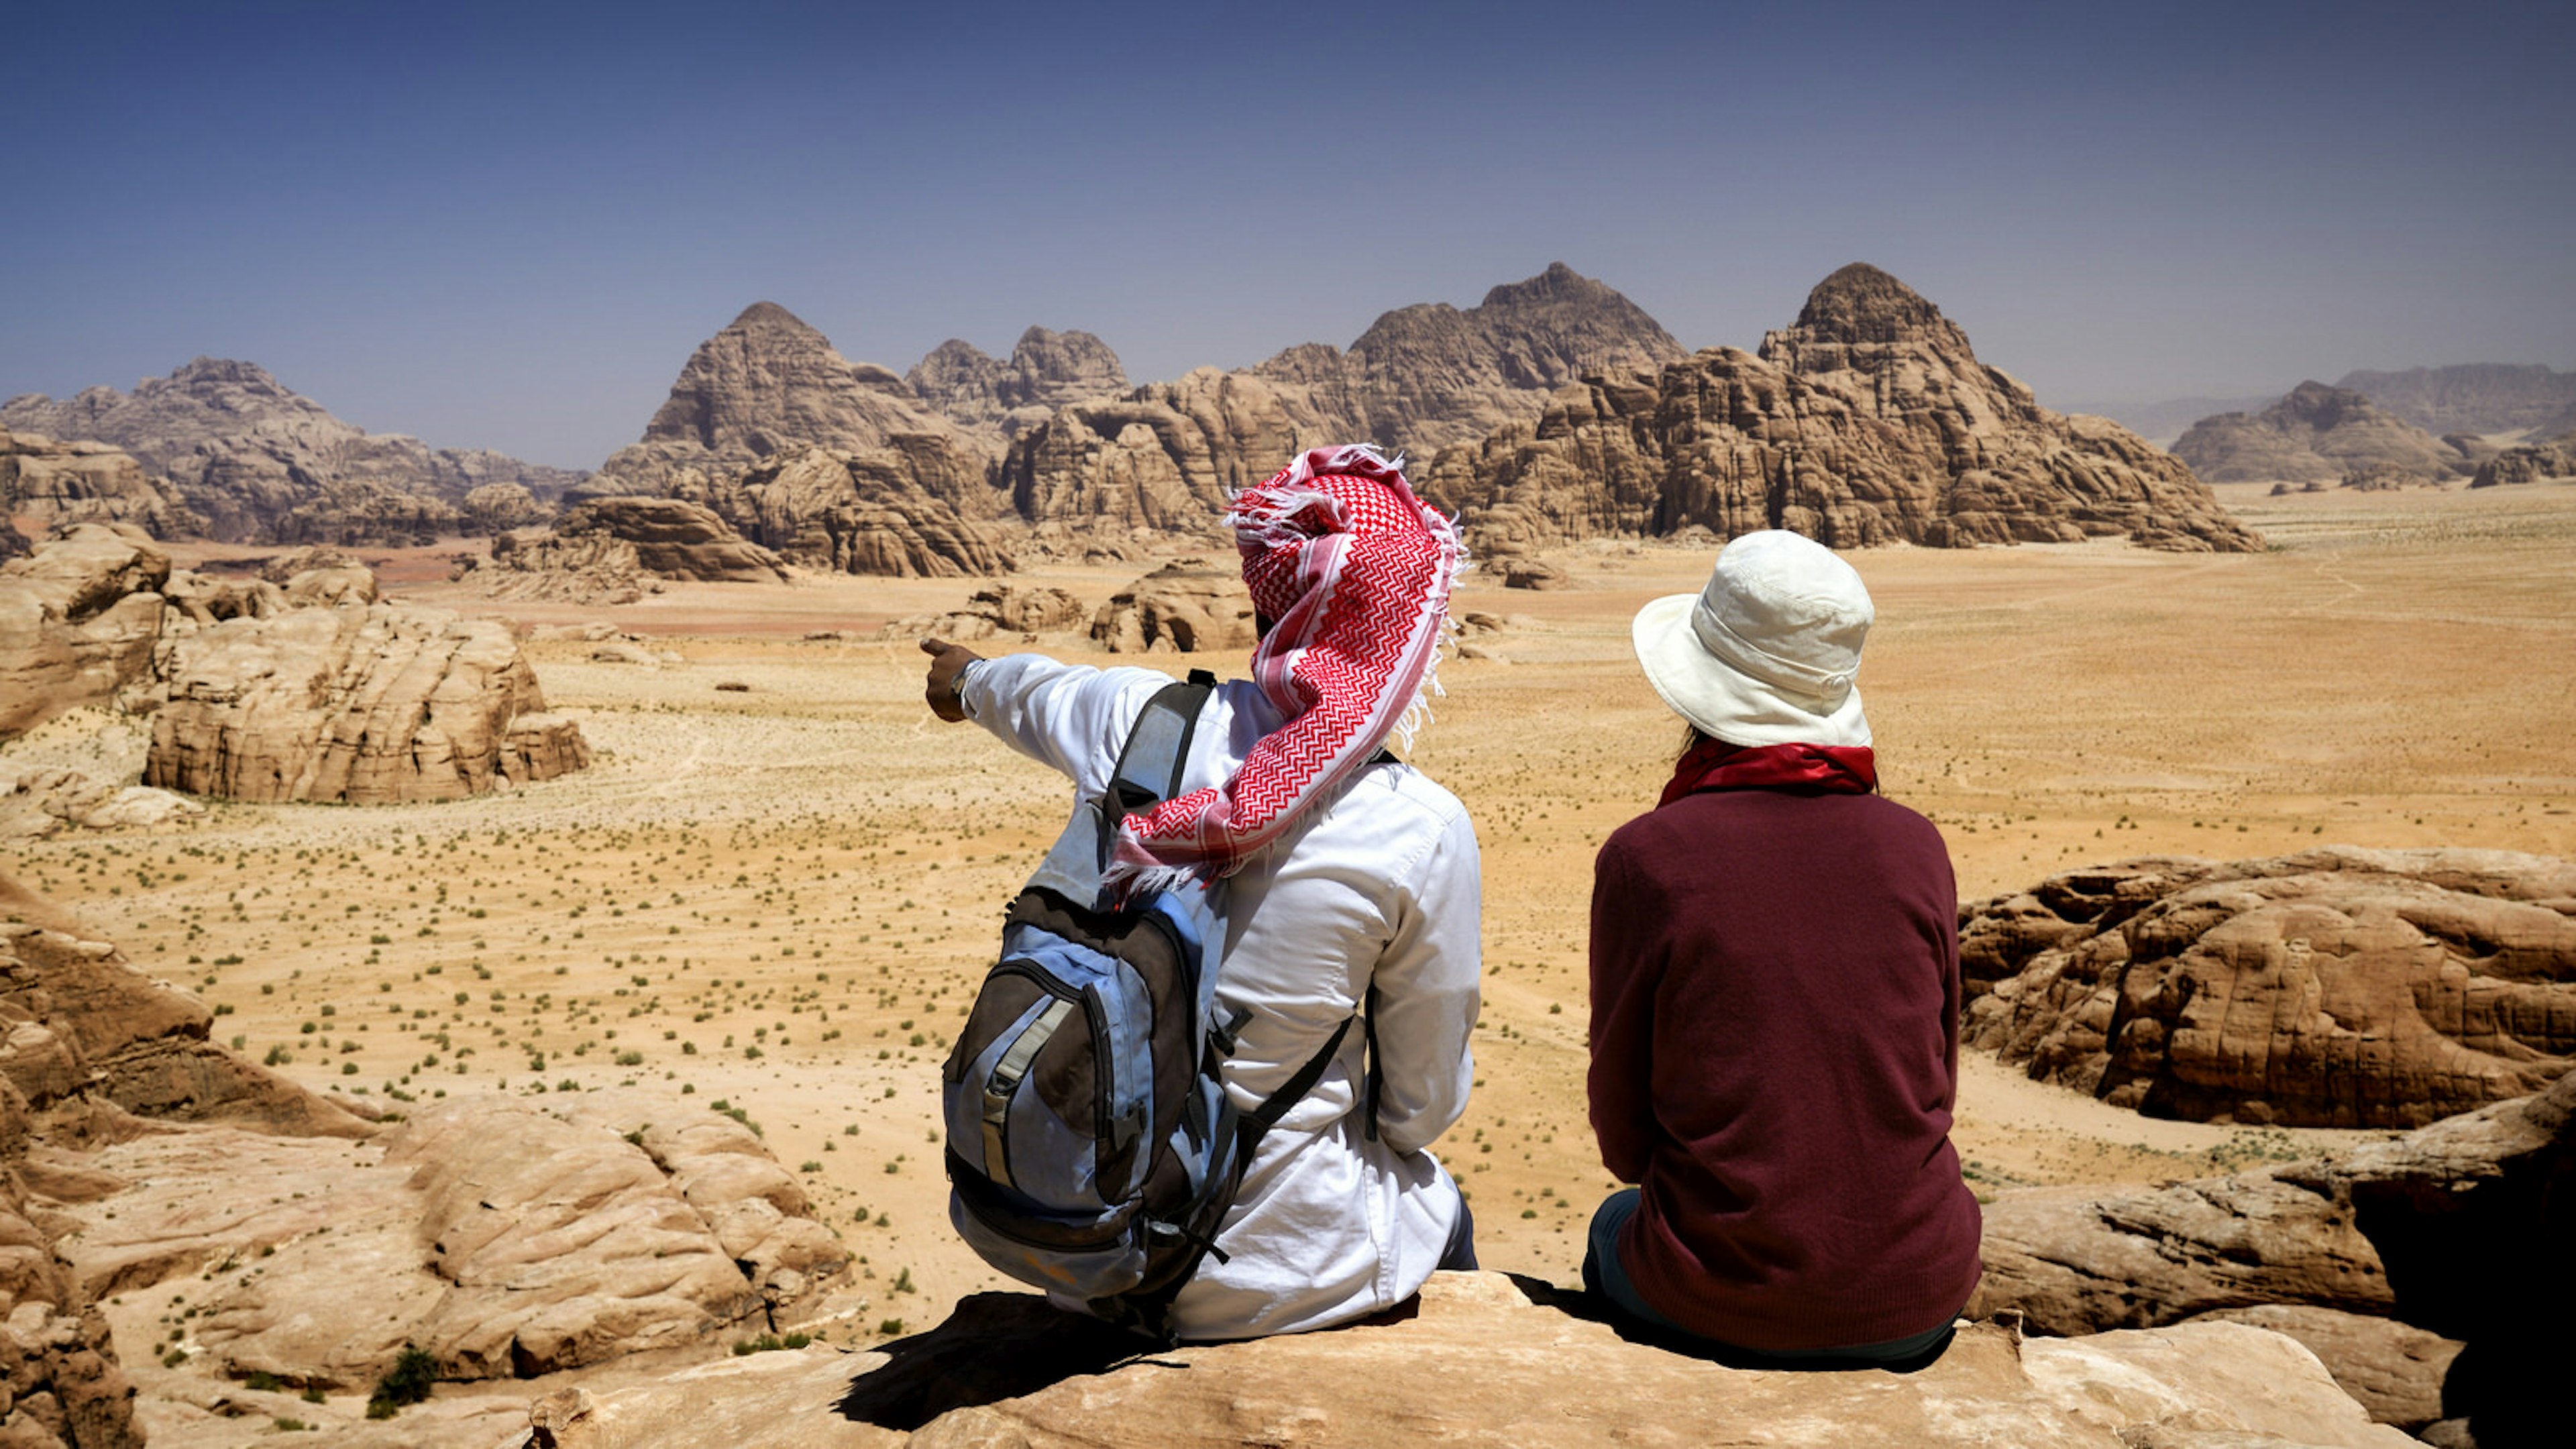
(407, 1382)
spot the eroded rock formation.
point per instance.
(765, 385)
(997, 610)
(1165, 455)
(2463, 1232)
(1003, 397)
(1869, 421)
(46, 802)
(78, 620)
(498, 508)
(676, 539)
(369, 704)
(1479, 1362)
(2528, 464)
(2315, 433)
(2337, 987)
(54, 484)
(247, 454)
(1187, 606)
(891, 510)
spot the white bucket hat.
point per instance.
(1766, 653)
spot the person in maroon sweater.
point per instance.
(1775, 1000)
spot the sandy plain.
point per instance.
(777, 900)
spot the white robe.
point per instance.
(1379, 884)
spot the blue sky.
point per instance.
(505, 226)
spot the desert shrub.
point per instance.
(407, 1382)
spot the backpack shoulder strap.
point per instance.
(1158, 748)
(1261, 1119)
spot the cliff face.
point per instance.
(1004, 397)
(1869, 421)
(1164, 455)
(2314, 434)
(766, 385)
(2482, 397)
(246, 453)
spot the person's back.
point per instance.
(1775, 998)
(1782, 981)
(1348, 884)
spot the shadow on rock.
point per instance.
(995, 1346)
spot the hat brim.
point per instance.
(1722, 701)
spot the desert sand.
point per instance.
(775, 890)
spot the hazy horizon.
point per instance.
(492, 229)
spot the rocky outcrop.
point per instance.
(47, 802)
(891, 510)
(2383, 478)
(78, 620)
(1165, 455)
(767, 385)
(245, 452)
(498, 508)
(2528, 464)
(995, 611)
(1870, 421)
(588, 568)
(2315, 433)
(2462, 1230)
(53, 484)
(368, 704)
(1002, 398)
(1188, 606)
(2480, 397)
(676, 539)
(2338, 987)
(1476, 1361)
(506, 1237)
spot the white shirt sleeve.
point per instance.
(1427, 985)
(1069, 717)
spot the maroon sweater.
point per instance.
(1775, 1053)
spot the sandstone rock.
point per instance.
(891, 510)
(1165, 455)
(506, 1239)
(2393, 1370)
(2527, 464)
(1530, 573)
(590, 568)
(48, 801)
(2471, 398)
(1478, 1362)
(2386, 478)
(2337, 987)
(367, 704)
(56, 484)
(1870, 421)
(1046, 370)
(2462, 1229)
(2315, 432)
(765, 385)
(245, 453)
(997, 610)
(210, 599)
(1188, 606)
(675, 539)
(78, 620)
(498, 508)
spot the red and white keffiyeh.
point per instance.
(1354, 573)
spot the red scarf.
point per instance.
(1717, 765)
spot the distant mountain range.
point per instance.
(2481, 398)
(259, 462)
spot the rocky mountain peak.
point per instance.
(1558, 282)
(1861, 304)
(770, 314)
(2315, 434)
(207, 374)
(766, 382)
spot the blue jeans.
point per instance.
(1605, 1276)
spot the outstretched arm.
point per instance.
(1068, 717)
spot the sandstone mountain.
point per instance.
(245, 451)
(1045, 371)
(917, 507)
(765, 385)
(2314, 434)
(1869, 421)
(49, 484)
(1164, 455)
(79, 619)
(2338, 987)
(2484, 397)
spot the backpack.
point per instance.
(1092, 1149)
